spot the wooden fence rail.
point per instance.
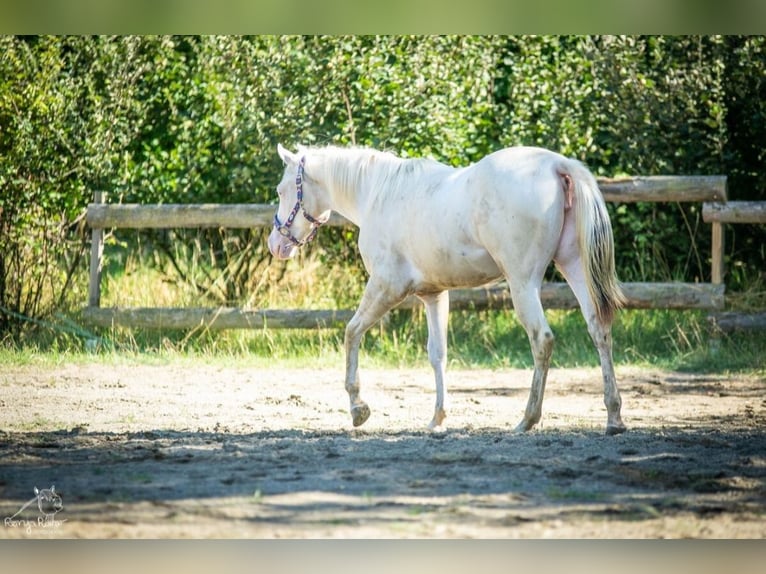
(554, 295)
(734, 212)
(243, 216)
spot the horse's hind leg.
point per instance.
(437, 311)
(529, 311)
(602, 338)
(601, 334)
(378, 298)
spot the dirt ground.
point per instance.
(189, 450)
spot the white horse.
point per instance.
(425, 228)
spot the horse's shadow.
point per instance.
(378, 470)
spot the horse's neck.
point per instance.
(356, 180)
(346, 203)
(349, 187)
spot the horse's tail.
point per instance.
(595, 241)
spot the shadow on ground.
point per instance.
(297, 477)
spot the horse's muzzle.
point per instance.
(280, 246)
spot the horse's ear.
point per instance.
(286, 155)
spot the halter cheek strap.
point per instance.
(284, 228)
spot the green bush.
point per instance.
(41, 178)
(197, 119)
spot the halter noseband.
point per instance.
(284, 228)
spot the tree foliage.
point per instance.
(197, 119)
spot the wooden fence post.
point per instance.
(96, 258)
(717, 248)
(718, 244)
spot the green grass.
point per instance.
(679, 340)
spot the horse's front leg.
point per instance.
(437, 312)
(378, 298)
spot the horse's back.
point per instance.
(517, 183)
(521, 157)
(520, 166)
(453, 226)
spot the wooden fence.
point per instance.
(736, 212)
(709, 190)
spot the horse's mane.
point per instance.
(352, 167)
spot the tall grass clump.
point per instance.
(476, 338)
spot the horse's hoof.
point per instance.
(359, 414)
(612, 430)
(523, 427)
(436, 422)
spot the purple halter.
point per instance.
(284, 228)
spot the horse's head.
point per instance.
(301, 208)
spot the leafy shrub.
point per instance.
(197, 119)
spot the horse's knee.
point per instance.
(437, 355)
(600, 334)
(548, 339)
(543, 345)
(351, 337)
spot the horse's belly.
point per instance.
(456, 267)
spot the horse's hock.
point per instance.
(711, 191)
